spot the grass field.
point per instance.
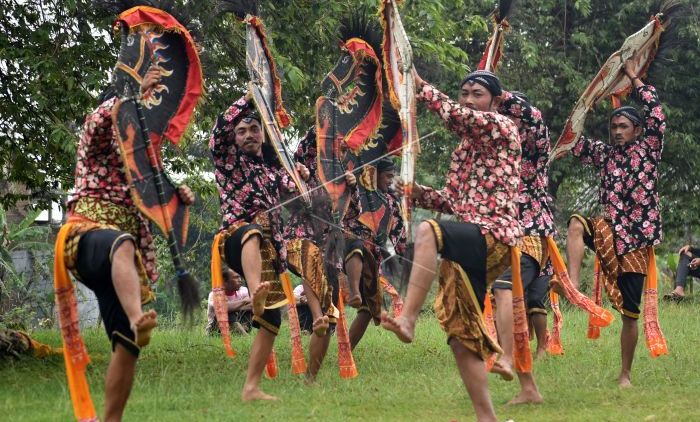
(185, 376)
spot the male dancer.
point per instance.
(537, 223)
(631, 220)
(109, 248)
(251, 184)
(305, 230)
(482, 192)
(364, 250)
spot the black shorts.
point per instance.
(464, 244)
(94, 266)
(631, 286)
(233, 247)
(271, 320)
(536, 294)
(534, 287)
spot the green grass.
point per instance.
(185, 376)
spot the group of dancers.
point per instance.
(495, 259)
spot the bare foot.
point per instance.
(624, 381)
(320, 326)
(527, 397)
(309, 379)
(504, 369)
(541, 353)
(259, 298)
(355, 301)
(400, 326)
(556, 286)
(255, 394)
(143, 326)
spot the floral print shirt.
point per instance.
(483, 180)
(99, 175)
(536, 218)
(248, 184)
(628, 177)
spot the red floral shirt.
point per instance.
(99, 174)
(483, 180)
(248, 184)
(536, 218)
(629, 174)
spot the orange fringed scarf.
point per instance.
(521, 344)
(597, 297)
(490, 321)
(396, 302)
(554, 345)
(74, 352)
(346, 362)
(598, 316)
(298, 360)
(220, 302)
(656, 343)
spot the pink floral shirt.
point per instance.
(483, 180)
(628, 175)
(536, 218)
(99, 174)
(248, 184)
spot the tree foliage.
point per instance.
(56, 56)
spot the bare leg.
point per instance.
(317, 352)
(320, 324)
(504, 325)
(251, 261)
(118, 382)
(126, 281)
(422, 276)
(358, 328)
(575, 249)
(539, 323)
(259, 352)
(475, 379)
(628, 342)
(353, 268)
(122, 366)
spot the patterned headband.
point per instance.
(629, 112)
(243, 110)
(487, 79)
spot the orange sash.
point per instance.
(220, 303)
(75, 354)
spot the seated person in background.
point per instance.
(688, 264)
(239, 305)
(306, 320)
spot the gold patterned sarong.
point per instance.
(276, 297)
(457, 307)
(305, 260)
(536, 247)
(93, 214)
(611, 264)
